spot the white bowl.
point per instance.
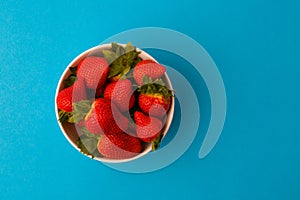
(69, 129)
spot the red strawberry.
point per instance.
(147, 128)
(120, 92)
(79, 92)
(147, 68)
(155, 98)
(99, 91)
(94, 70)
(131, 101)
(154, 104)
(92, 124)
(104, 117)
(119, 146)
(67, 96)
(64, 99)
(142, 62)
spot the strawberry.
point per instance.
(79, 92)
(154, 104)
(94, 70)
(147, 68)
(99, 91)
(131, 101)
(155, 98)
(119, 146)
(120, 92)
(105, 118)
(64, 99)
(91, 122)
(142, 62)
(147, 128)
(67, 96)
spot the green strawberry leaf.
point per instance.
(114, 46)
(119, 51)
(115, 70)
(129, 47)
(121, 60)
(73, 70)
(109, 55)
(87, 145)
(87, 133)
(159, 81)
(154, 87)
(71, 78)
(146, 80)
(65, 117)
(71, 118)
(156, 142)
(97, 154)
(80, 109)
(124, 73)
(136, 61)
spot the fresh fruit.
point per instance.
(64, 99)
(147, 128)
(105, 118)
(149, 69)
(116, 102)
(119, 146)
(94, 71)
(91, 122)
(99, 91)
(131, 101)
(154, 104)
(143, 62)
(154, 98)
(120, 92)
(69, 95)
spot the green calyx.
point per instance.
(65, 117)
(156, 142)
(71, 78)
(87, 143)
(80, 109)
(155, 87)
(121, 59)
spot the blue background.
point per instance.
(255, 45)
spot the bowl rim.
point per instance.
(58, 89)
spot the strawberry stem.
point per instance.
(71, 78)
(156, 142)
(65, 117)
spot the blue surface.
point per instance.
(255, 45)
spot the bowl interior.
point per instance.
(69, 130)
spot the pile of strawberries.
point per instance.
(117, 101)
